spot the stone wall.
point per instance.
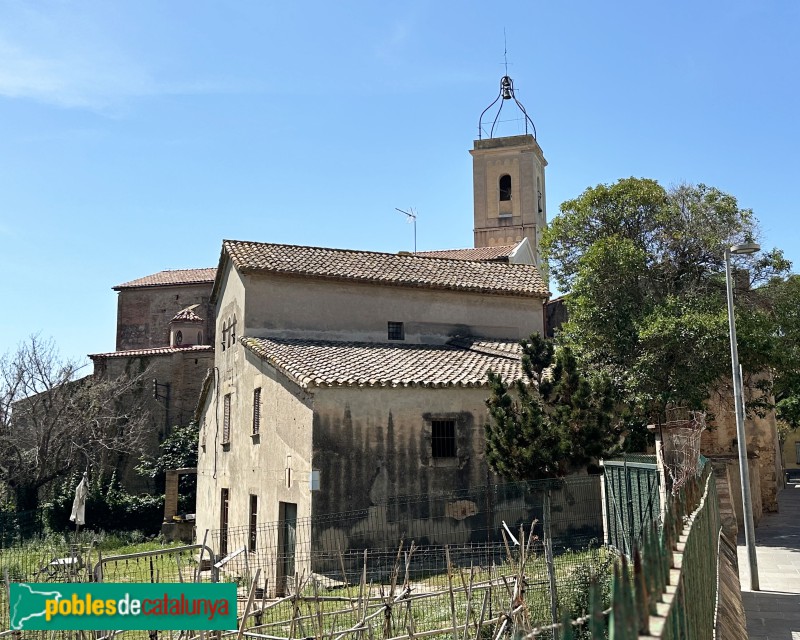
(720, 440)
(144, 313)
(180, 376)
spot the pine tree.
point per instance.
(552, 421)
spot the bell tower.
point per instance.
(508, 181)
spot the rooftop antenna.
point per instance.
(505, 50)
(411, 217)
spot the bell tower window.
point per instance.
(505, 187)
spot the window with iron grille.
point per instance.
(443, 438)
(253, 522)
(226, 419)
(396, 331)
(256, 411)
(223, 521)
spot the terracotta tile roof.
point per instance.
(187, 315)
(321, 363)
(171, 278)
(386, 268)
(155, 351)
(501, 252)
(503, 348)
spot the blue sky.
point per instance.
(135, 136)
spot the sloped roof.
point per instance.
(322, 363)
(171, 278)
(501, 252)
(155, 351)
(187, 315)
(503, 348)
(385, 268)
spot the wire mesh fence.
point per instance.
(436, 580)
(473, 532)
(443, 553)
(632, 500)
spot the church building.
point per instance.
(342, 378)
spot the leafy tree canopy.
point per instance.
(552, 421)
(645, 272)
(784, 294)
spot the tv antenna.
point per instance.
(411, 218)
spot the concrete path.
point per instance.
(773, 613)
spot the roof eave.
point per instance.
(540, 294)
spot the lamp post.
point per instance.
(744, 471)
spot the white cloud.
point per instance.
(70, 80)
(73, 61)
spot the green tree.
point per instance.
(179, 450)
(644, 270)
(553, 420)
(784, 295)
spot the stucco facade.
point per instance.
(281, 306)
(314, 407)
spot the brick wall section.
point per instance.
(183, 372)
(143, 314)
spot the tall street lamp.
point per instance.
(747, 500)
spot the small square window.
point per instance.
(443, 438)
(396, 331)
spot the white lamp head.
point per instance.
(745, 249)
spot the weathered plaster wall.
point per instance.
(791, 453)
(373, 443)
(274, 465)
(280, 306)
(143, 314)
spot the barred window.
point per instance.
(396, 331)
(256, 411)
(226, 419)
(223, 521)
(251, 539)
(443, 438)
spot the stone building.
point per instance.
(146, 307)
(363, 373)
(165, 328)
(344, 378)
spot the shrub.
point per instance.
(108, 507)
